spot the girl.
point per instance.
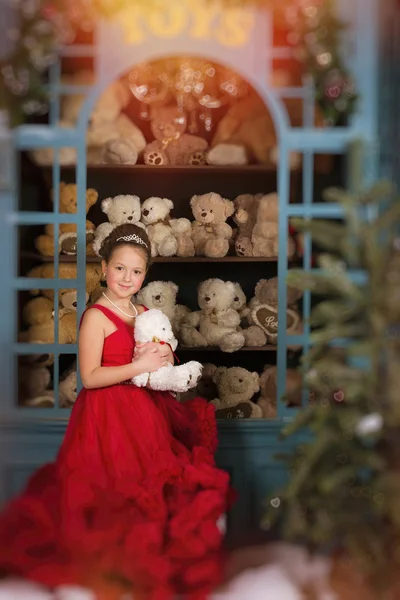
(134, 495)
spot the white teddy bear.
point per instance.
(154, 326)
(163, 237)
(119, 210)
(162, 295)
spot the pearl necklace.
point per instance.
(120, 309)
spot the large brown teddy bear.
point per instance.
(264, 309)
(111, 135)
(65, 271)
(236, 387)
(265, 235)
(46, 244)
(268, 390)
(172, 146)
(210, 232)
(245, 217)
(247, 130)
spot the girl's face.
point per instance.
(125, 272)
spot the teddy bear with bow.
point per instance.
(154, 326)
(168, 237)
(216, 324)
(211, 234)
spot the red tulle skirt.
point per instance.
(133, 498)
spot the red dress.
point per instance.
(133, 496)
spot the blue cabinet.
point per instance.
(31, 436)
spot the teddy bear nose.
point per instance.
(207, 298)
(130, 218)
(157, 297)
(145, 212)
(203, 214)
(240, 380)
(236, 299)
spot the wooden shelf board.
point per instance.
(161, 259)
(205, 169)
(267, 348)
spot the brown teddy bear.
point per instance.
(67, 390)
(45, 243)
(236, 386)
(268, 389)
(247, 130)
(264, 309)
(245, 217)
(210, 233)
(38, 313)
(172, 146)
(65, 271)
(216, 324)
(33, 384)
(265, 236)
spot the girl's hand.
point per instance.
(164, 350)
(149, 360)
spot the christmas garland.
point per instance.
(46, 25)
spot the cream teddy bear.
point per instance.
(109, 127)
(68, 388)
(265, 235)
(236, 386)
(254, 335)
(182, 231)
(155, 216)
(162, 295)
(264, 309)
(211, 234)
(154, 326)
(119, 210)
(217, 322)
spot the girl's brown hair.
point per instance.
(126, 235)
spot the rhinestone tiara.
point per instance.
(132, 238)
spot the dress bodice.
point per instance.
(119, 345)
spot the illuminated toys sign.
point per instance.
(206, 21)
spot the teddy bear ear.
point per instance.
(91, 196)
(168, 203)
(193, 200)
(229, 207)
(106, 205)
(218, 373)
(173, 286)
(230, 286)
(259, 285)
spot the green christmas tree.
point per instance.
(344, 485)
